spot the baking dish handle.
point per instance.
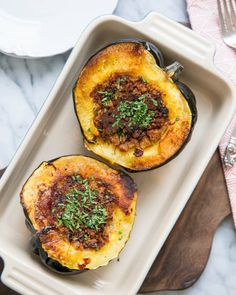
(175, 35)
(24, 280)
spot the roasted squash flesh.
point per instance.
(130, 110)
(81, 210)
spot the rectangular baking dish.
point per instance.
(163, 192)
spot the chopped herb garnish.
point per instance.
(106, 97)
(59, 221)
(119, 81)
(135, 108)
(135, 111)
(98, 217)
(81, 208)
(155, 102)
(77, 178)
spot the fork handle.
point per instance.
(230, 153)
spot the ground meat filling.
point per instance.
(79, 208)
(129, 113)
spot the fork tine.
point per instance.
(227, 16)
(222, 23)
(233, 13)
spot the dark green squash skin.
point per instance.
(190, 98)
(50, 263)
(184, 89)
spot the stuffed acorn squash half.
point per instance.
(80, 212)
(132, 111)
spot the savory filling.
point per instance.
(129, 113)
(79, 209)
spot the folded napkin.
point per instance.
(204, 19)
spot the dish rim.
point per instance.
(206, 63)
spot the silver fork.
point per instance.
(227, 16)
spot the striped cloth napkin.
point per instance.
(204, 19)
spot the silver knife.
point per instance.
(230, 151)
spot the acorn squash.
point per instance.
(80, 212)
(132, 111)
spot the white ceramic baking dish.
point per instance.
(163, 192)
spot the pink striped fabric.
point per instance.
(204, 19)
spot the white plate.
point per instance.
(163, 192)
(46, 27)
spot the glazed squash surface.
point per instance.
(130, 110)
(80, 211)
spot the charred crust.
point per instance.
(145, 44)
(153, 49)
(137, 49)
(86, 262)
(51, 163)
(128, 184)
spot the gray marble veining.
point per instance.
(24, 86)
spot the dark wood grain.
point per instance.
(185, 253)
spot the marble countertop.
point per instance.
(25, 85)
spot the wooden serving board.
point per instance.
(184, 255)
